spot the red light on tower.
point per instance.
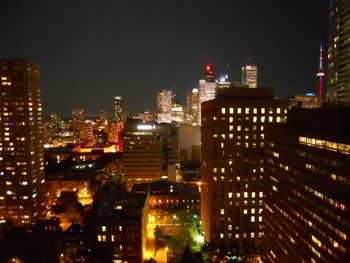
(209, 73)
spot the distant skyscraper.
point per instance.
(78, 122)
(103, 118)
(223, 82)
(21, 142)
(118, 108)
(232, 147)
(250, 74)
(338, 52)
(164, 105)
(55, 122)
(207, 89)
(307, 186)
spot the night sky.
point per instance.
(90, 51)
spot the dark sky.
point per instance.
(90, 51)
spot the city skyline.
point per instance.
(101, 51)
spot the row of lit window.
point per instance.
(327, 145)
(247, 110)
(244, 235)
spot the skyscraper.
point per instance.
(250, 74)
(307, 185)
(338, 52)
(21, 142)
(232, 146)
(118, 108)
(164, 105)
(207, 89)
(78, 122)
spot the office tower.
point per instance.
(232, 137)
(338, 52)
(78, 121)
(103, 117)
(146, 116)
(307, 185)
(192, 100)
(250, 74)
(223, 82)
(21, 142)
(142, 160)
(55, 122)
(177, 113)
(118, 109)
(164, 105)
(207, 89)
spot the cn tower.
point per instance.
(320, 74)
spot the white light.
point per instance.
(145, 127)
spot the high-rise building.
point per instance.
(142, 159)
(223, 82)
(78, 122)
(118, 108)
(307, 185)
(103, 117)
(207, 89)
(164, 105)
(232, 146)
(21, 142)
(338, 52)
(55, 122)
(250, 74)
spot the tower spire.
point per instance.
(320, 74)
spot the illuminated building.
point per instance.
(146, 116)
(232, 146)
(307, 185)
(309, 100)
(164, 105)
(207, 89)
(21, 146)
(192, 101)
(171, 194)
(103, 118)
(177, 113)
(115, 134)
(55, 122)
(118, 109)
(223, 82)
(87, 133)
(142, 160)
(338, 52)
(122, 225)
(78, 121)
(250, 75)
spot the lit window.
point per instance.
(223, 110)
(231, 111)
(252, 219)
(222, 211)
(239, 110)
(246, 110)
(103, 228)
(262, 110)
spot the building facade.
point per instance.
(307, 184)
(232, 170)
(250, 75)
(118, 108)
(164, 105)
(142, 160)
(339, 52)
(21, 142)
